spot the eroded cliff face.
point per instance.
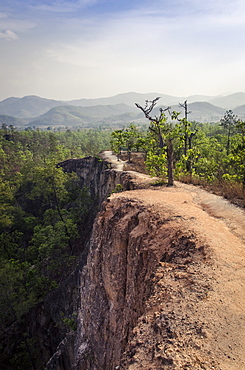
(101, 180)
(128, 244)
(98, 176)
(114, 283)
(156, 291)
(146, 293)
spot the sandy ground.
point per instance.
(202, 326)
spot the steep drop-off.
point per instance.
(158, 284)
(163, 287)
(129, 243)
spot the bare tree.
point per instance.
(188, 135)
(156, 127)
(149, 105)
(185, 106)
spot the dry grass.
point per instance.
(232, 191)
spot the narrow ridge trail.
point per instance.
(205, 310)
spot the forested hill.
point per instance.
(28, 106)
(119, 115)
(99, 115)
(117, 110)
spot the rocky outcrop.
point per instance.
(102, 177)
(115, 281)
(101, 180)
(98, 176)
(128, 244)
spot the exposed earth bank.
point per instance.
(194, 317)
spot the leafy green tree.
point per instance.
(206, 156)
(235, 161)
(117, 142)
(130, 135)
(229, 122)
(16, 295)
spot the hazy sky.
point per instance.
(68, 49)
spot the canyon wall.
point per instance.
(98, 176)
(49, 324)
(129, 242)
(101, 180)
(128, 245)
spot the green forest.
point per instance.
(42, 214)
(44, 211)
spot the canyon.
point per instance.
(158, 284)
(163, 283)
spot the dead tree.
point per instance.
(149, 105)
(156, 128)
(185, 106)
(188, 136)
(170, 159)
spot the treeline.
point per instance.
(201, 153)
(43, 215)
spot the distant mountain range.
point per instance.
(90, 117)
(112, 111)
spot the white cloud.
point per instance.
(149, 52)
(15, 24)
(8, 35)
(60, 6)
(180, 47)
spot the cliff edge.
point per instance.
(163, 287)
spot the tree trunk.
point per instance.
(161, 142)
(228, 143)
(129, 156)
(189, 160)
(170, 162)
(185, 145)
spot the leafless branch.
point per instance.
(149, 105)
(185, 105)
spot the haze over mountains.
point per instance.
(111, 111)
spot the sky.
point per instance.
(72, 49)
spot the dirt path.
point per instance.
(214, 205)
(206, 315)
(110, 157)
